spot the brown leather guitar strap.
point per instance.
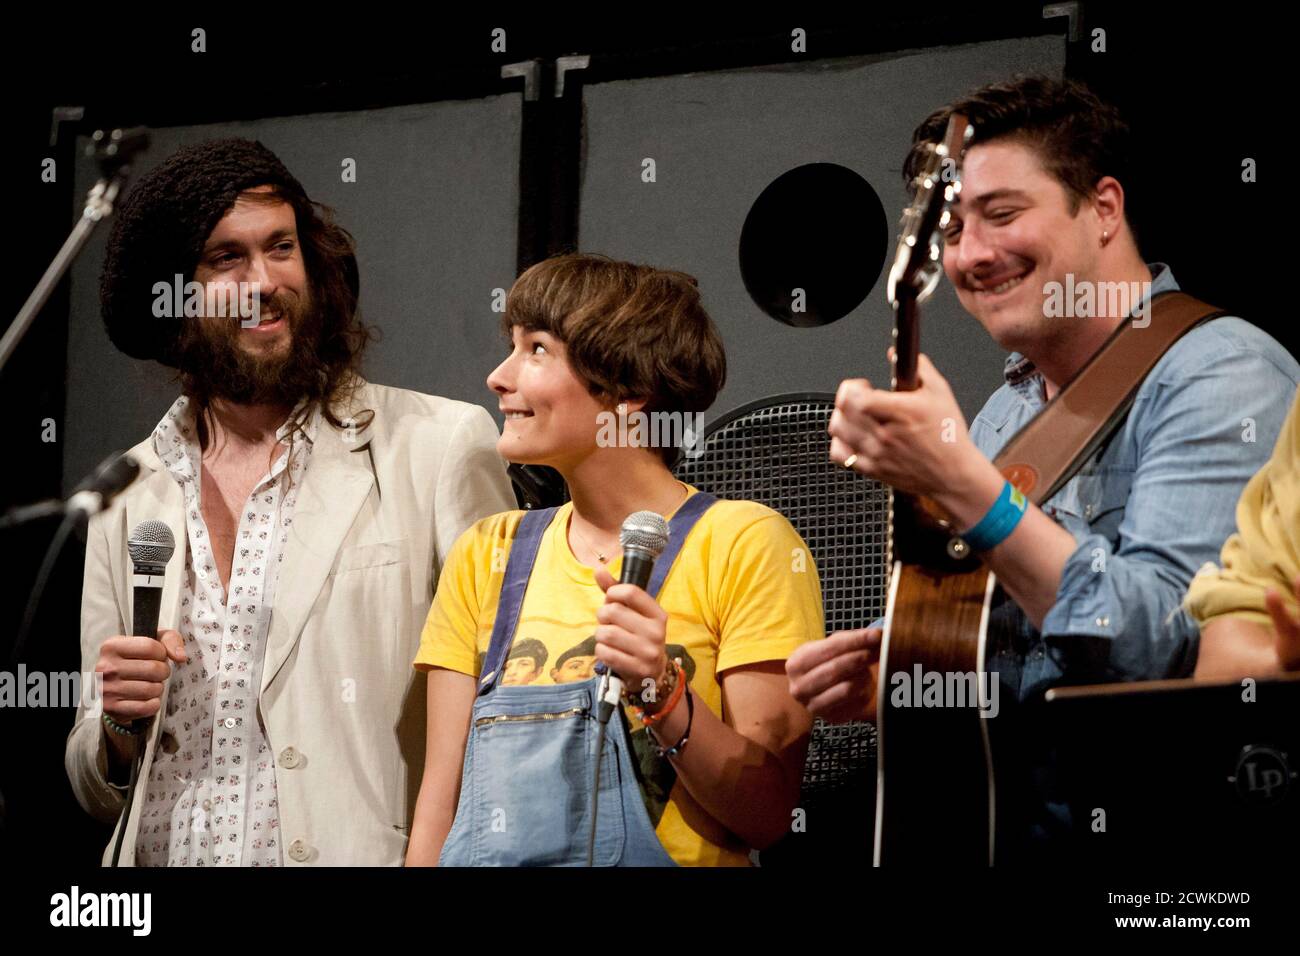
(1056, 443)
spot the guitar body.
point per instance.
(934, 777)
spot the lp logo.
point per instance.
(1262, 776)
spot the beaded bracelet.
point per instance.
(122, 729)
(649, 720)
(678, 747)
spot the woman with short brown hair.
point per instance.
(707, 760)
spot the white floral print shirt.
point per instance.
(211, 799)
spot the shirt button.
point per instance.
(299, 851)
(207, 804)
(1103, 621)
(1087, 511)
(288, 758)
(229, 721)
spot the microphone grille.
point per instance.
(151, 543)
(645, 530)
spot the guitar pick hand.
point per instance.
(835, 679)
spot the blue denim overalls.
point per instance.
(525, 791)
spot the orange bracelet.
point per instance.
(649, 720)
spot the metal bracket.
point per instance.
(530, 70)
(64, 114)
(1071, 10)
(566, 63)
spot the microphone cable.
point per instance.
(595, 792)
(38, 586)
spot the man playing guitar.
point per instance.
(1093, 579)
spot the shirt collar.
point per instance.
(308, 414)
(1018, 368)
(176, 440)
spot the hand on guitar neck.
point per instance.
(916, 441)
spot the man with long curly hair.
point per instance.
(274, 719)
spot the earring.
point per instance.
(1104, 237)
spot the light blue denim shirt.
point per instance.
(1155, 503)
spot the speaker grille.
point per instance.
(776, 452)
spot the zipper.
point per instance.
(515, 718)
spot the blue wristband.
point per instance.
(1000, 520)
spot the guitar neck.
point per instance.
(919, 535)
(907, 343)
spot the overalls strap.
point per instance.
(681, 525)
(523, 553)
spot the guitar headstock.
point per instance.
(917, 259)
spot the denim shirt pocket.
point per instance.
(993, 417)
(1094, 502)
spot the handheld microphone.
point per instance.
(644, 536)
(151, 545)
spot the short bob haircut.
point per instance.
(631, 332)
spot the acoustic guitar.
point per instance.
(935, 787)
(935, 784)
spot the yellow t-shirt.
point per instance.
(1265, 550)
(743, 590)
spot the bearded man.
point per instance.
(274, 718)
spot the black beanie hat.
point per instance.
(160, 229)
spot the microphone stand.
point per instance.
(113, 152)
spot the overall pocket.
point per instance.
(532, 789)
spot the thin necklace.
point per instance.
(581, 537)
(601, 557)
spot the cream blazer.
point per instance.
(343, 709)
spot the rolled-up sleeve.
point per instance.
(86, 750)
(1202, 429)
